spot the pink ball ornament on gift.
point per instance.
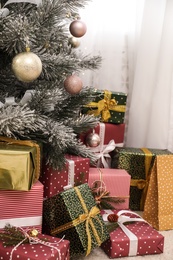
(78, 28)
(73, 84)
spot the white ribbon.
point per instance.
(27, 96)
(133, 246)
(22, 222)
(36, 2)
(104, 157)
(71, 167)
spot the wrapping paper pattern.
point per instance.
(54, 181)
(158, 210)
(66, 207)
(22, 208)
(38, 251)
(111, 106)
(117, 182)
(133, 161)
(149, 241)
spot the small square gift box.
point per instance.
(19, 164)
(75, 172)
(31, 245)
(110, 106)
(110, 187)
(22, 208)
(131, 235)
(74, 214)
(138, 162)
(102, 140)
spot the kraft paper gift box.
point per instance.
(45, 248)
(73, 213)
(114, 181)
(138, 163)
(132, 236)
(109, 106)
(75, 173)
(19, 164)
(22, 208)
(110, 135)
(158, 209)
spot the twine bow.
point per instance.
(104, 106)
(86, 217)
(35, 240)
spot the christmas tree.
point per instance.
(41, 92)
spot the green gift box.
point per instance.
(138, 163)
(19, 164)
(109, 106)
(73, 214)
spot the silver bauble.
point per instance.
(74, 42)
(27, 66)
(92, 140)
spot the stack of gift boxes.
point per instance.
(85, 206)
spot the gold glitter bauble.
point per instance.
(33, 233)
(27, 66)
(73, 84)
(92, 140)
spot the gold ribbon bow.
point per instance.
(104, 105)
(11, 141)
(85, 217)
(143, 184)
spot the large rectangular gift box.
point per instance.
(45, 248)
(75, 172)
(138, 162)
(22, 208)
(132, 235)
(74, 214)
(109, 106)
(114, 183)
(19, 164)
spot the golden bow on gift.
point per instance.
(104, 106)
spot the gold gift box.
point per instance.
(19, 164)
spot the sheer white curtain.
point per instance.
(135, 40)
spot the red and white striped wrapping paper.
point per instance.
(22, 208)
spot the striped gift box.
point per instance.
(22, 208)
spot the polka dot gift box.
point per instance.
(158, 210)
(50, 248)
(75, 173)
(138, 163)
(110, 106)
(132, 236)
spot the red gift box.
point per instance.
(132, 239)
(49, 248)
(111, 135)
(75, 173)
(22, 208)
(116, 181)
